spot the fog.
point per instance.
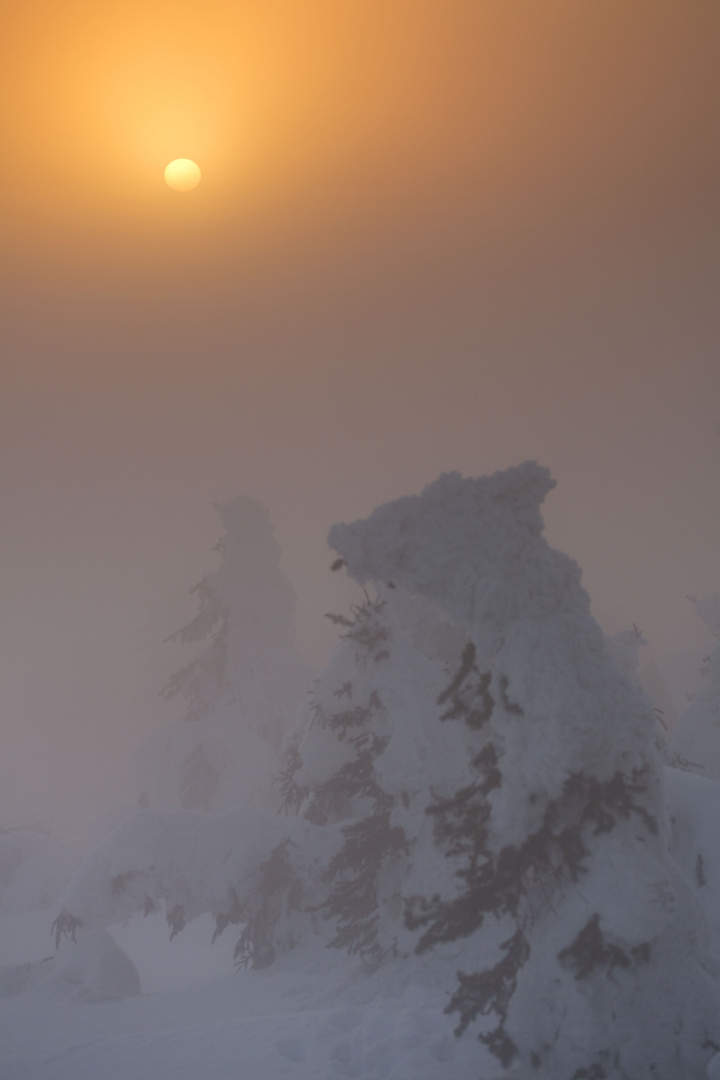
(452, 237)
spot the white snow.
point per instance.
(308, 1020)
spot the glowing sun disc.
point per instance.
(182, 174)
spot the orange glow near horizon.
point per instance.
(274, 98)
(306, 110)
(431, 235)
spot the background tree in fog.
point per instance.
(696, 738)
(243, 690)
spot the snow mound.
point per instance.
(90, 967)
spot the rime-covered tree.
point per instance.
(584, 949)
(242, 692)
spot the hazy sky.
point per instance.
(430, 235)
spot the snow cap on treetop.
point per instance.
(247, 521)
(457, 542)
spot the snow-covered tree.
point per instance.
(696, 738)
(243, 691)
(587, 946)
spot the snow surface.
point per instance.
(307, 1020)
(303, 1019)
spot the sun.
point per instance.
(182, 174)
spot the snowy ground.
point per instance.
(313, 1016)
(197, 1019)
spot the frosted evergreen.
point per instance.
(589, 950)
(242, 692)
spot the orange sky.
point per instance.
(430, 234)
(290, 106)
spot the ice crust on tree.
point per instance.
(243, 691)
(562, 841)
(696, 738)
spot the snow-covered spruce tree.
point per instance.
(365, 753)
(696, 739)
(586, 948)
(243, 691)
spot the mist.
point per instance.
(432, 348)
(472, 265)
